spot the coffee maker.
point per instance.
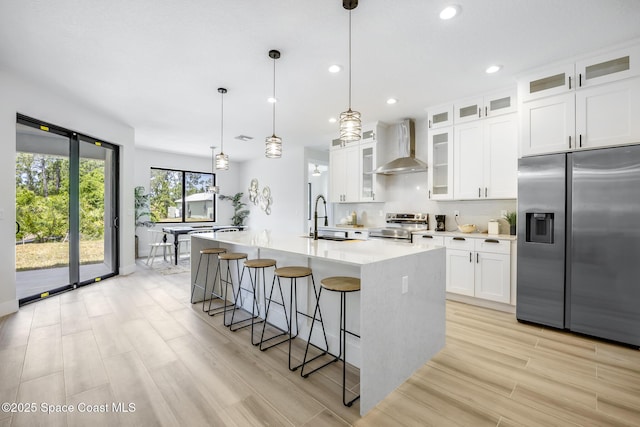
(440, 224)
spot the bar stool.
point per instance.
(343, 285)
(294, 273)
(229, 257)
(255, 264)
(209, 252)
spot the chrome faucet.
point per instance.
(315, 216)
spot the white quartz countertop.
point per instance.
(355, 252)
(466, 235)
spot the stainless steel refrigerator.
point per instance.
(579, 242)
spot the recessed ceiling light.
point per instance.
(335, 68)
(332, 120)
(392, 101)
(449, 12)
(272, 100)
(493, 69)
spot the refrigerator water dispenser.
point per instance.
(539, 227)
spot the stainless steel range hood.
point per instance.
(404, 135)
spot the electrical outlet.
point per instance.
(405, 284)
(456, 213)
(503, 213)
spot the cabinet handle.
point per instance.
(569, 141)
(477, 258)
(569, 82)
(485, 192)
(479, 192)
(485, 111)
(426, 236)
(479, 112)
(580, 138)
(429, 124)
(470, 255)
(429, 193)
(491, 241)
(459, 238)
(579, 79)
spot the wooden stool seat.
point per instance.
(293, 272)
(232, 256)
(260, 263)
(341, 284)
(212, 251)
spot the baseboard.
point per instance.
(508, 308)
(8, 307)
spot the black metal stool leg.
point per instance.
(266, 316)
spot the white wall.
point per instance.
(227, 180)
(20, 96)
(286, 177)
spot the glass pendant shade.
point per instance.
(273, 147)
(222, 162)
(350, 126)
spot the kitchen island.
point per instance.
(399, 312)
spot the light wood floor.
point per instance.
(136, 339)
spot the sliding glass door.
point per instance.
(66, 210)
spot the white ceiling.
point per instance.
(156, 64)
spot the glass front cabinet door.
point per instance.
(440, 147)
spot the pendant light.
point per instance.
(214, 189)
(316, 172)
(222, 160)
(273, 143)
(350, 124)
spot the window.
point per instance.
(181, 196)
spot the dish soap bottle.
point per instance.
(354, 218)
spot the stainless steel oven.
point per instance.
(401, 226)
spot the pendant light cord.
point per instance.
(221, 122)
(274, 96)
(349, 59)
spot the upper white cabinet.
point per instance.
(552, 81)
(467, 110)
(485, 159)
(440, 164)
(440, 116)
(608, 67)
(592, 103)
(351, 177)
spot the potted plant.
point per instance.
(239, 214)
(141, 206)
(510, 216)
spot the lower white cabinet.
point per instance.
(479, 267)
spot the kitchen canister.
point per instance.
(493, 227)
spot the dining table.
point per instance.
(178, 230)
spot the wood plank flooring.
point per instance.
(137, 339)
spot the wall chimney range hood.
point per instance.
(404, 134)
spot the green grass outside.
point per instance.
(35, 256)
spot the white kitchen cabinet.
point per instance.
(548, 125)
(551, 81)
(440, 164)
(596, 107)
(370, 185)
(592, 117)
(608, 67)
(608, 114)
(492, 279)
(351, 177)
(460, 266)
(344, 174)
(492, 105)
(485, 159)
(440, 116)
(479, 267)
